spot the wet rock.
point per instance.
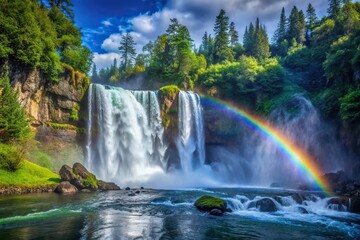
(106, 186)
(208, 203)
(266, 205)
(66, 173)
(298, 198)
(131, 194)
(355, 205)
(137, 192)
(302, 210)
(141, 187)
(278, 199)
(339, 201)
(216, 212)
(229, 210)
(127, 188)
(66, 187)
(251, 205)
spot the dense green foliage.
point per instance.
(11, 159)
(42, 37)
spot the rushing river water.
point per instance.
(170, 214)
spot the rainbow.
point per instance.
(298, 157)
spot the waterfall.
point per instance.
(125, 143)
(190, 142)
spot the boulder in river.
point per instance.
(81, 179)
(216, 212)
(208, 203)
(266, 205)
(66, 187)
(105, 186)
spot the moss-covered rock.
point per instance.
(208, 203)
(83, 180)
(169, 108)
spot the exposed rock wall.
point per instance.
(45, 100)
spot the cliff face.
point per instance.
(48, 101)
(53, 109)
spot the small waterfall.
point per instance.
(125, 143)
(190, 142)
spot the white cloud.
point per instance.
(105, 59)
(106, 23)
(199, 16)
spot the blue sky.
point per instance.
(104, 22)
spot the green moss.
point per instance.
(69, 70)
(29, 175)
(170, 91)
(90, 181)
(207, 203)
(168, 95)
(61, 126)
(74, 114)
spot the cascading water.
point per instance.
(125, 140)
(190, 142)
(126, 136)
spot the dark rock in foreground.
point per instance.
(66, 187)
(79, 178)
(211, 204)
(216, 212)
(106, 186)
(266, 205)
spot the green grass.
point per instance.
(29, 175)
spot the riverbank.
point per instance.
(30, 178)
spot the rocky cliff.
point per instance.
(45, 100)
(53, 108)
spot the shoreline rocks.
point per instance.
(215, 206)
(78, 178)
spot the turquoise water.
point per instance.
(170, 214)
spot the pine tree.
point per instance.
(311, 18)
(334, 8)
(65, 6)
(280, 33)
(297, 26)
(234, 36)
(256, 41)
(222, 51)
(127, 49)
(13, 122)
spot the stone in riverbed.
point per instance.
(266, 205)
(66, 187)
(208, 203)
(216, 212)
(105, 186)
(302, 210)
(66, 173)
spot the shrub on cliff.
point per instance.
(14, 125)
